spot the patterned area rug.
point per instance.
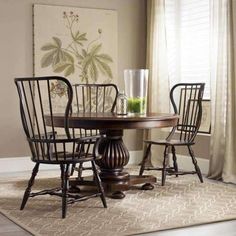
(184, 201)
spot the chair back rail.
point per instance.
(94, 98)
(40, 96)
(186, 99)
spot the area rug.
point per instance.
(184, 201)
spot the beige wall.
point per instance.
(201, 147)
(16, 58)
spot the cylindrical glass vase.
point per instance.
(136, 85)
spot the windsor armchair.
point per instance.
(39, 97)
(186, 100)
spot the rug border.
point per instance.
(31, 231)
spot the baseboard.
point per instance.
(18, 164)
(185, 163)
(135, 157)
(15, 164)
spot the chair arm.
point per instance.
(95, 140)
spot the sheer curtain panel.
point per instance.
(158, 82)
(223, 87)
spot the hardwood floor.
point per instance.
(226, 228)
(8, 228)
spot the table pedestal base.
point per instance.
(114, 189)
(115, 156)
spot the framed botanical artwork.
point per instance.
(77, 43)
(205, 126)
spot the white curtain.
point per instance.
(223, 91)
(158, 99)
(158, 84)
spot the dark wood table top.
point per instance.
(114, 121)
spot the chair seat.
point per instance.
(172, 142)
(64, 158)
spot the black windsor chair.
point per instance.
(186, 99)
(42, 97)
(93, 98)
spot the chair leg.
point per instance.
(145, 157)
(30, 184)
(99, 184)
(80, 170)
(195, 164)
(175, 161)
(72, 169)
(163, 180)
(64, 186)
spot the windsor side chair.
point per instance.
(186, 100)
(93, 98)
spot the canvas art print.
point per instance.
(205, 126)
(77, 43)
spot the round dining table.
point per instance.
(115, 155)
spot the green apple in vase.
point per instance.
(136, 105)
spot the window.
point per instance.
(188, 39)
